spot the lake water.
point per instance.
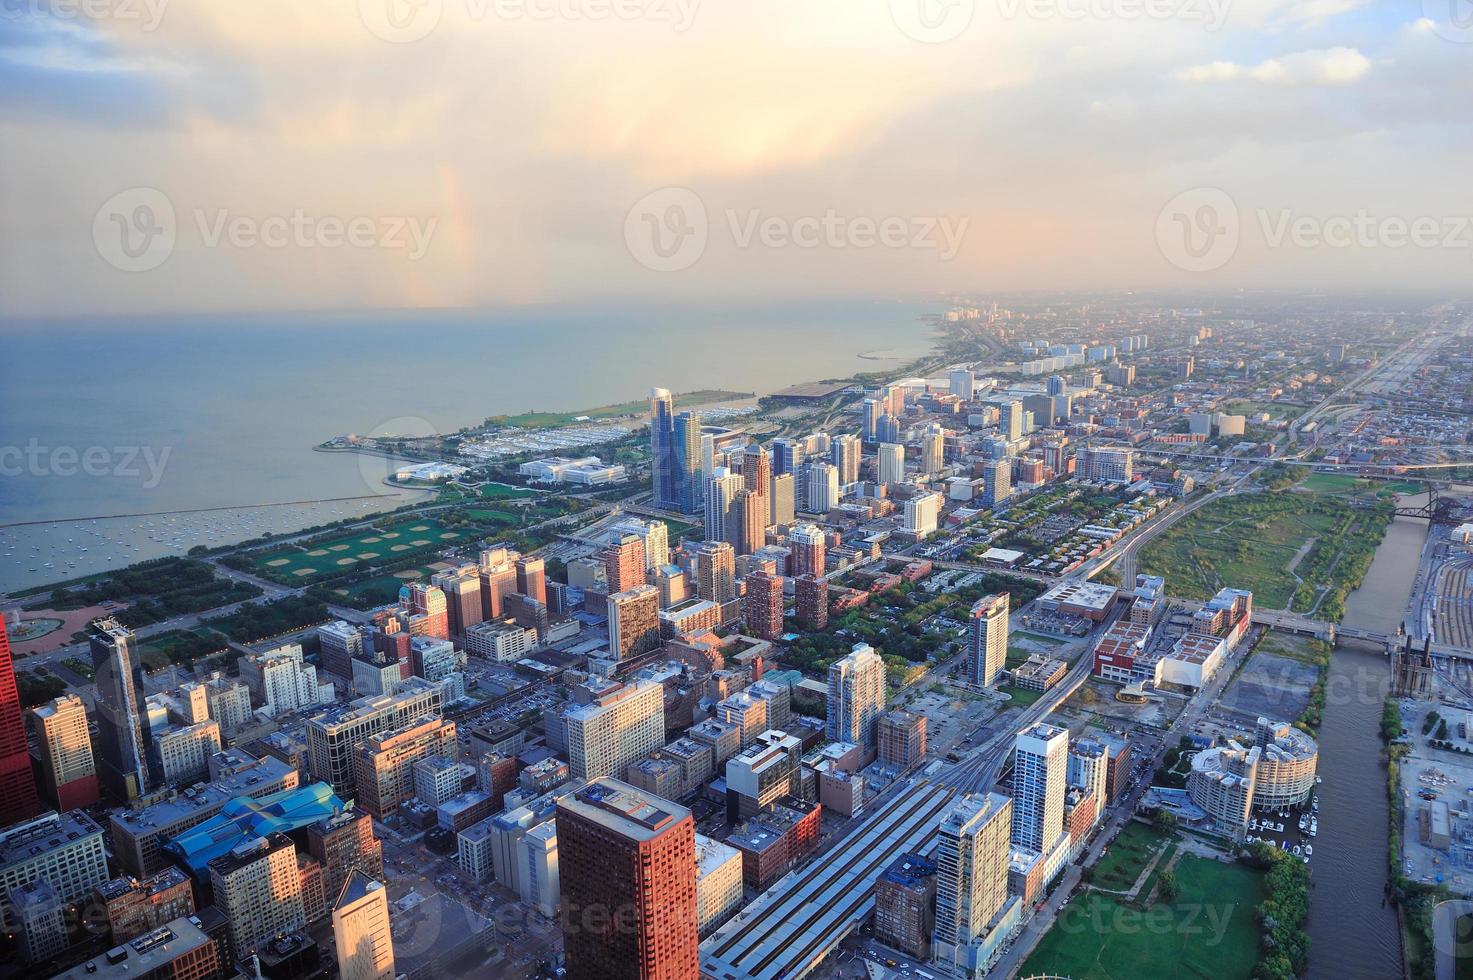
(168, 414)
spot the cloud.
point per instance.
(1331, 67)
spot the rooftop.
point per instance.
(623, 808)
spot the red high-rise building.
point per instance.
(762, 607)
(812, 595)
(627, 863)
(624, 563)
(18, 798)
(532, 578)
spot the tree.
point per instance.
(1166, 885)
(1164, 821)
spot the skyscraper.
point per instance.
(721, 491)
(634, 621)
(532, 578)
(259, 889)
(756, 469)
(64, 753)
(621, 724)
(624, 563)
(811, 595)
(997, 481)
(933, 449)
(1040, 776)
(787, 455)
(360, 930)
(961, 383)
(762, 608)
(806, 542)
(662, 447)
(17, 784)
(987, 639)
(856, 696)
(890, 460)
(872, 409)
(823, 487)
(688, 461)
(716, 571)
(122, 730)
(971, 871)
(1012, 420)
(784, 500)
(750, 510)
(628, 871)
(844, 452)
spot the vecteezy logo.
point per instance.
(134, 230)
(932, 21)
(666, 230)
(1198, 229)
(400, 21)
(1452, 20)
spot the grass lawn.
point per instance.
(1209, 931)
(1275, 410)
(1340, 483)
(1020, 696)
(1254, 541)
(299, 565)
(1127, 857)
(503, 491)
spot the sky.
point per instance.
(210, 155)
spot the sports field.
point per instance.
(297, 564)
(1208, 931)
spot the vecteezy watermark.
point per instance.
(148, 14)
(1210, 13)
(1207, 922)
(136, 230)
(933, 21)
(1452, 20)
(142, 463)
(668, 230)
(1200, 230)
(407, 21)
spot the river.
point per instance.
(1352, 933)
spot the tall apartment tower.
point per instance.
(1040, 776)
(462, 589)
(844, 453)
(783, 499)
(716, 571)
(721, 491)
(809, 554)
(1012, 421)
(762, 608)
(812, 600)
(259, 889)
(933, 449)
(823, 487)
(360, 930)
(662, 446)
(787, 455)
(624, 562)
(532, 578)
(628, 859)
(634, 621)
(619, 726)
(64, 753)
(971, 871)
(17, 784)
(756, 469)
(688, 462)
(987, 639)
(890, 462)
(856, 696)
(872, 408)
(122, 731)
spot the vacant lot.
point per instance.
(1208, 930)
(1304, 549)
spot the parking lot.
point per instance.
(1429, 775)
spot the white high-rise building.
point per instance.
(282, 681)
(987, 639)
(971, 872)
(360, 930)
(845, 451)
(963, 383)
(1040, 776)
(856, 696)
(619, 726)
(823, 487)
(784, 503)
(184, 752)
(656, 537)
(933, 450)
(1088, 767)
(922, 513)
(721, 491)
(891, 462)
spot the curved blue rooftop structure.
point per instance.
(244, 818)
